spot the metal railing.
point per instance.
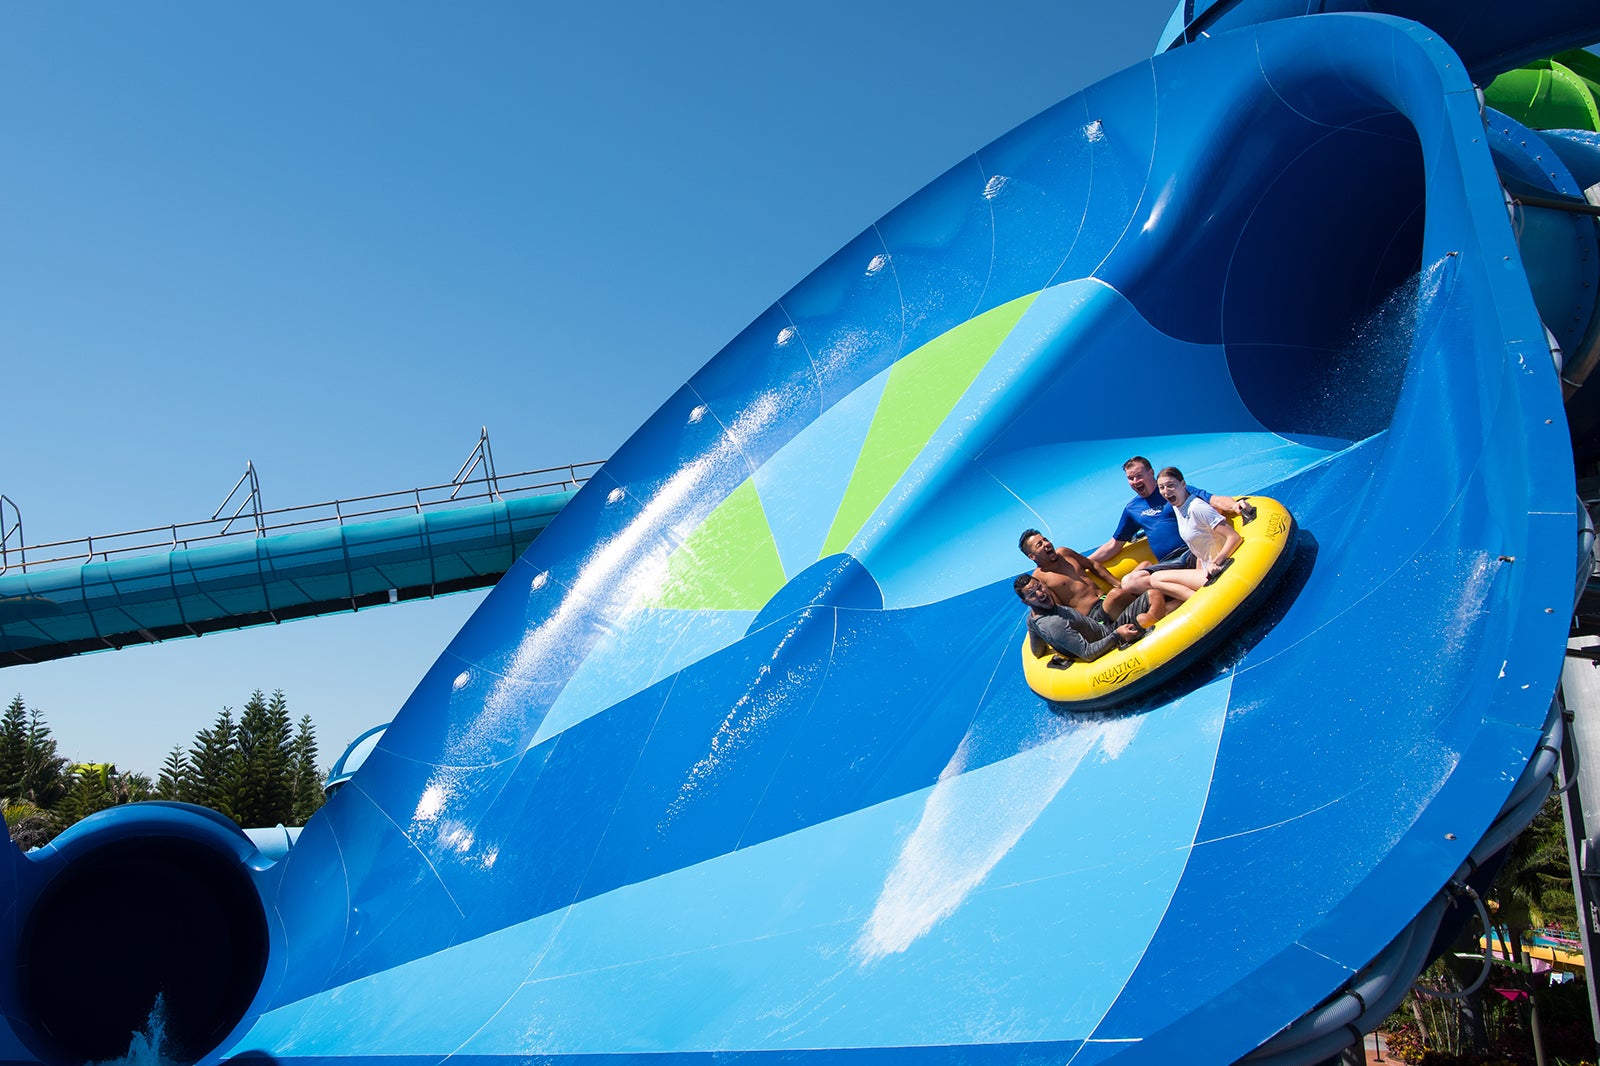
(248, 520)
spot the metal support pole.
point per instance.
(11, 528)
(479, 456)
(1579, 697)
(252, 501)
(1580, 748)
(488, 462)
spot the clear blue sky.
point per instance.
(337, 239)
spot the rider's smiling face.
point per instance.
(1034, 594)
(1171, 489)
(1141, 479)
(1040, 550)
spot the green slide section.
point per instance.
(1552, 94)
(730, 561)
(922, 389)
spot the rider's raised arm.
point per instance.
(1106, 550)
(1095, 567)
(1224, 504)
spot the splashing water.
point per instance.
(1363, 379)
(149, 1048)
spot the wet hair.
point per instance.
(1020, 583)
(1137, 460)
(1171, 471)
(1022, 541)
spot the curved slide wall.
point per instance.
(1489, 36)
(737, 760)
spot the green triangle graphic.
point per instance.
(729, 563)
(922, 390)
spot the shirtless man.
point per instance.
(1066, 574)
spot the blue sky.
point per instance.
(336, 239)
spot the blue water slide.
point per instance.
(1489, 36)
(737, 761)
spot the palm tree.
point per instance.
(1533, 885)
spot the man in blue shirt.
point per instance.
(1149, 513)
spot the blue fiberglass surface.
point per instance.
(1490, 38)
(738, 759)
(1559, 249)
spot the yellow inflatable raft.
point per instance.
(1189, 630)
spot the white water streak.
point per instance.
(969, 823)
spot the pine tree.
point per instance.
(256, 769)
(94, 787)
(131, 786)
(13, 748)
(177, 777)
(266, 795)
(214, 761)
(306, 777)
(91, 790)
(44, 778)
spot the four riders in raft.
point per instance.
(1188, 534)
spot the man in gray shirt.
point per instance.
(1063, 630)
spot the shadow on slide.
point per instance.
(738, 758)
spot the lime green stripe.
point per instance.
(922, 389)
(730, 561)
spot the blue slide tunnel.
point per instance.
(737, 761)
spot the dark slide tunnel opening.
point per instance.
(1299, 250)
(133, 919)
(1325, 290)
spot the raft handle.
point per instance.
(1213, 579)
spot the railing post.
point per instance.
(10, 526)
(252, 500)
(488, 460)
(483, 456)
(255, 497)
